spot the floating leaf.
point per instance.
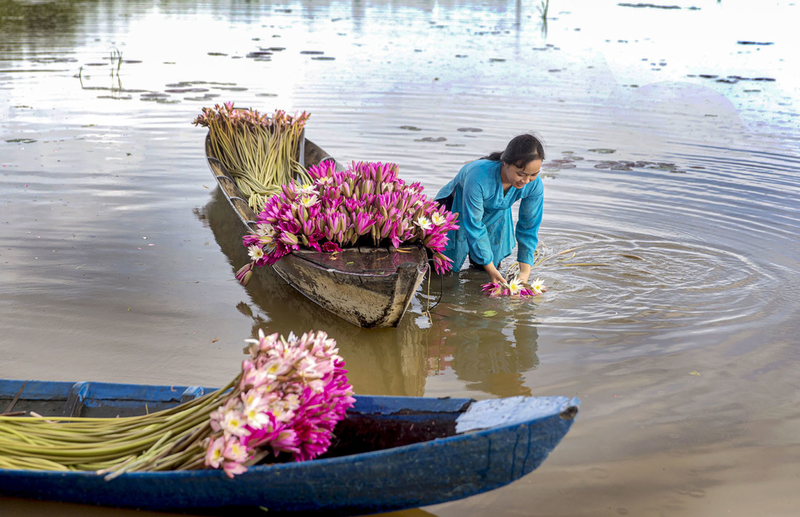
(694, 373)
(489, 314)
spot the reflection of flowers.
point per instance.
(367, 202)
(289, 397)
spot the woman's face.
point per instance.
(519, 177)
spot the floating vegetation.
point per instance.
(557, 165)
(755, 43)
(629, 166)
(217, 54)
(323, 58)
(431, 139)
(410, 128)
(654, 6)
(732, 79)
(21, 141)
(497, 60)
(260, 54)
(312, 52)
(603, 151)
(469, 130)
(205, 97)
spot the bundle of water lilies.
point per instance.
(514, 287)
(260, 151)
(284, 404)
(365, 204)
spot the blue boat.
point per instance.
(390, 453)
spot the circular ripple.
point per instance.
(641, 282)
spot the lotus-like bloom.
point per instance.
(331, 247)
(514, 286)
(365, 202)
(234, 450)
(233, 468)
(307, 189)
(233, 423)
(538, 286)
(255, 252)
(214, 454)
(438, 219)
(308, 200)
(245, 273)
(424, 223)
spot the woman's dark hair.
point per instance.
(520, 151)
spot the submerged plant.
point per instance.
(260, 151)
(543, 7)
(366, 204)
(288, 398)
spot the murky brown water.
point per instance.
(680, 191)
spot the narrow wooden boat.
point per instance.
(390, 453)
(367, 286)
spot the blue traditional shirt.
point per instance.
(486, 227)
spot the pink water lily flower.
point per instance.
(214, 455)
(293, 412)
(366, 204)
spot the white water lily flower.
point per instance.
(255, 252)
(538, 286)
(514, 285)
(438, 219)
(308, 201)
(264, 229)
(307, 189)
(424, 223)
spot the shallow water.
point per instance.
(673, 318)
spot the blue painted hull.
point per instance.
(517, 435)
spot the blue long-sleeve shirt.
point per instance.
(486, 227)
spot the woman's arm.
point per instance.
(527, 231)
(494, 274)
(524, 272)
(471, 221)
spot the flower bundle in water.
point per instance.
(367, 202)
(288, 398)
(260, 151)
(514, 287)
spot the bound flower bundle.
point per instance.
(515, 287)
(290, 396)
(260, 151)
(368, 202)
(287, 399)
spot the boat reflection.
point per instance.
(379, 361)
(486, 354)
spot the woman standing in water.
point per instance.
(483, 193)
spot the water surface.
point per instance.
(672, 176)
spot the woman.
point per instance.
(483, 193)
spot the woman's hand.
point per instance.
(524, 272)
(494, 274)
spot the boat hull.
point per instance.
(446, 449)
(370, 287)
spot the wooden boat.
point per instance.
(367, 286)
(390, 453)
